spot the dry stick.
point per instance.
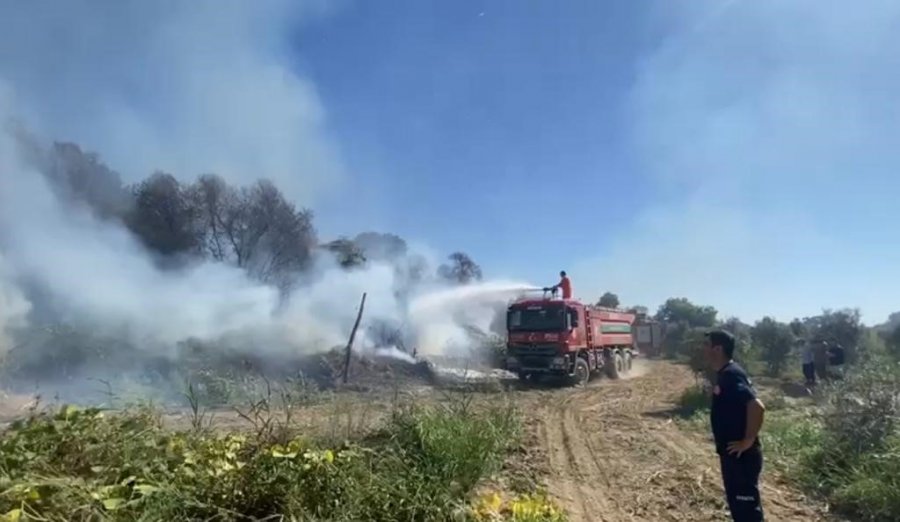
(362, 304)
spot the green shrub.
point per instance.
(863, 409)
(791, 439)
(453, 446)
(871, 488)
(849, 451)
(86, 465)
(693, 400)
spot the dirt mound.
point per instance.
(367, 371)
(324, 369)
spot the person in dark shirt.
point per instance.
(736, 418)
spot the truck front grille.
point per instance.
(533, 351)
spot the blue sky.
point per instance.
(740, 153)
(484, 126)
(526, 134)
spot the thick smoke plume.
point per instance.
(13, 309)
(186, 87)
(13, 305)
(95, 272)
(63, 264)
(97, 275)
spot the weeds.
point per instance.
(849, 450)
(200, 418)
(90, 465)
(693, 400)
(791, 439)
(455, 453)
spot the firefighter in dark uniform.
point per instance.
(736, 418)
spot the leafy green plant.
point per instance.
(90, 464)
(849, 449)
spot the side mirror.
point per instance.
(572, 319)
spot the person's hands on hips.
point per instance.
(739, 446)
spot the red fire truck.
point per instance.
(565, 337)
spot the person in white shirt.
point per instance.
(809, 367)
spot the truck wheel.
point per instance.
(614, 366)
(582, 372)
(627, 363)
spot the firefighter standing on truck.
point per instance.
(736, 417)
(565, 284)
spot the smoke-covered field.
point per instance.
(158, 283)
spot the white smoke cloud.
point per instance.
(437, 317)
(189, 88)
(97, 274)
(14, 309)
(186, 87)
(323, 313)
(768, 131)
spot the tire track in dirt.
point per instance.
(572, 482)
(614, 454)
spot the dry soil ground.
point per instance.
(612, 451)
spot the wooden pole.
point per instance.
(362, 305)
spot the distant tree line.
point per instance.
(257, 229)
(772, 344)
(251, 227)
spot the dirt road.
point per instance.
(612, 453)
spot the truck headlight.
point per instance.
(558, 361)
(512, 361)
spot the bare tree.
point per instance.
(461, 269)
(212, 197)
(268, 236)
(254, 228)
